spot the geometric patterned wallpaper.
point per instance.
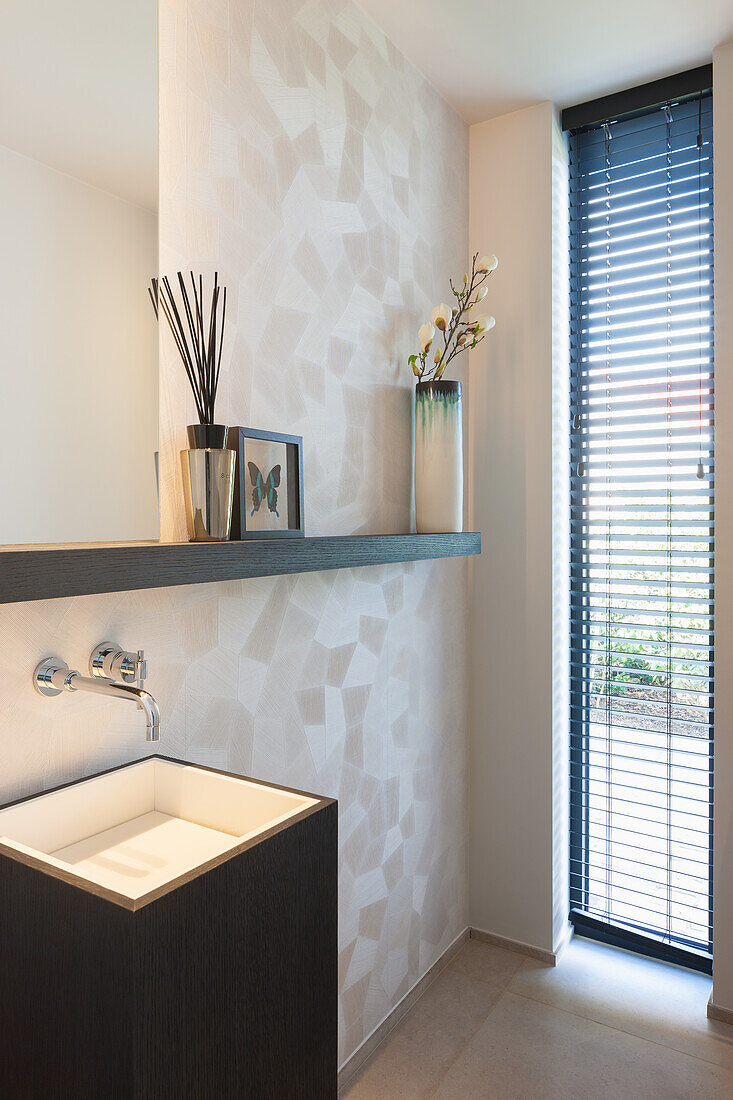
(326, 181)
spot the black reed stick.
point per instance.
(176, 325)
(199, 341)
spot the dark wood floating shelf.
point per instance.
(46, 573)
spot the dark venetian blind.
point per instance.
(642, 518)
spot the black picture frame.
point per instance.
(237, 441)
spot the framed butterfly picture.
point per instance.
(268, 485)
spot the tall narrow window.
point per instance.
(642, 478)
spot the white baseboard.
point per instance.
(353, 1064)
(717, 1012)
(521, 948)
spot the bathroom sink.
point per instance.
(167, 930)
(139, 831)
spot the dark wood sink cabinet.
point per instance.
(220, 984)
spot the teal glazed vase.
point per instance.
(438, 457)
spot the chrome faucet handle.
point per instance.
(109, 661)
(141, 668)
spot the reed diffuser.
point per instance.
(199, 339)
(208, 466)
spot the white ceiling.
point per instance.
(79, 90)
(488, 57)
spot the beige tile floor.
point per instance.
(603, 1025)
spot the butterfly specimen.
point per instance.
(264, 487)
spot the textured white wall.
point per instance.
(327, 181)
(518, 747)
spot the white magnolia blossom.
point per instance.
(460, 330)
(484, 324)
(441, 316)
(425, 336)
(487, 264)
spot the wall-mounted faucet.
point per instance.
(52, 676)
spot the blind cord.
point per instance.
(700, 467)
(668, 692)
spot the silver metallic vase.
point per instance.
(208, 487)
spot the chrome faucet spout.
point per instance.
(53, 676)
(118, 690)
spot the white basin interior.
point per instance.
(136, 829)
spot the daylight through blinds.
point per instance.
(642, 520)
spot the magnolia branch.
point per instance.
(460, 332)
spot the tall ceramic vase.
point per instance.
(438, 457)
